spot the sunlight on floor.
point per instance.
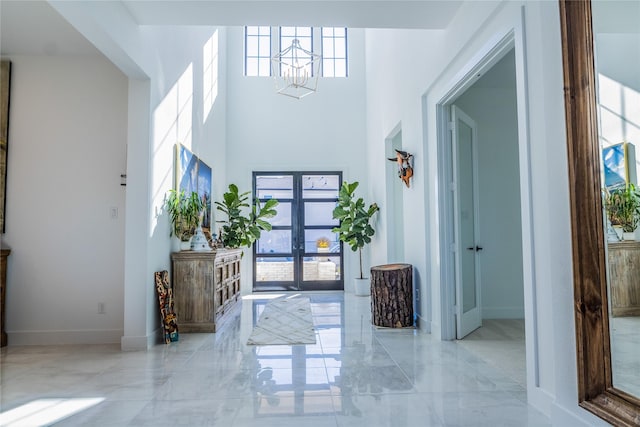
(43, 412)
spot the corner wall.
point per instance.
(65, 205)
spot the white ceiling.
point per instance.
(34, 27)
(433, 14)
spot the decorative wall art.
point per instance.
(186, 169)
(619, 165)
(5, 79)
(405, 165)
(192, 174)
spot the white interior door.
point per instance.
(468, 309)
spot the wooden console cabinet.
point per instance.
(206, 286)
(624, 278)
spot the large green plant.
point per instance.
(355, 228)
(240, 229)
(184, 212)
(623, 207)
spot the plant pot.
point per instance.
(618, 230)
(362, 287)
(628, 236)
(185, 245)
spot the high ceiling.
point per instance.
(34, 27)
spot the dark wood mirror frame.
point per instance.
(596, 392)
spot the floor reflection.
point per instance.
(302, 379)
(625, 336)
(355, 375)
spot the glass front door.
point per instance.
(300, 253)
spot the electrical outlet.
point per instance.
(101, 308)
(418, 294)
(113, 212)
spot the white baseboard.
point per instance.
(503, 312)
(109, 336)
(575, 417)
(138, 343)
(423, 325)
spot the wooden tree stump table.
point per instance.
(392, 295)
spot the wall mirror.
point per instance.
(601, 59)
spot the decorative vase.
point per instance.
(199, 241)
(618, 231)
(362, 287)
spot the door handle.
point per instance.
(477, 248)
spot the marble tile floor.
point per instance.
(354, 375)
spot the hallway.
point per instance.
(355, 375)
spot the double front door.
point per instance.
(301, 252)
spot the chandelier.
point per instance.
(296, 71)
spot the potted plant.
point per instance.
(623, 209)
(239, 229)
(184, 213)
(355, 228)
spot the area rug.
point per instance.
(284, 321)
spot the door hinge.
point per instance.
(452, 186)
(454, 247)
(450, 125)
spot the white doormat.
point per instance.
(285, 321)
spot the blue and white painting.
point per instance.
(615, 166)
(187, 170)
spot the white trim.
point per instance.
(141, 342)
(103, 336)
(526, 212)
(563, 416)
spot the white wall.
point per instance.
(500, 227)
(324, 131)
(67, 148)
(430, 63)
(161, 105)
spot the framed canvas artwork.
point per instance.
(5, 78)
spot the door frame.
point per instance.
(484, 59)
(454, 80)
(393, 187)
(468, 76)
(475, 315)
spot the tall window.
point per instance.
(257, 57)
(334, 52)
(305, 36)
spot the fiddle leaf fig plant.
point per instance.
(242, 229)
(355, 228)
(184, 212)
